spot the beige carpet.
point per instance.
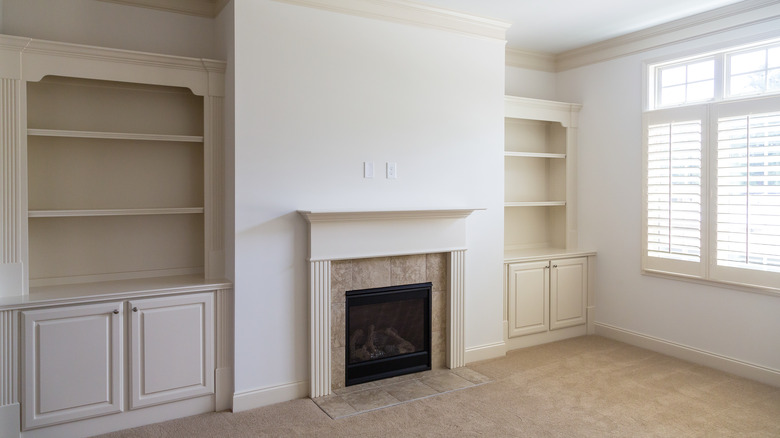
(582, 387)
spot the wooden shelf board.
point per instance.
(114, 135)
(533, 155)
(115, 212)
(535, 204)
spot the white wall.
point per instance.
(535, 84)
(730, 323)
(112, 25)
(317, 94)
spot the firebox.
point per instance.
(388, 332)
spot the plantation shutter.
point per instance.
(673, 202)
(747, 217)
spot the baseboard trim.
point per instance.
(485, 352)
(730, 365)
(546, 337)
(257, 398)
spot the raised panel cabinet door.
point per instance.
(528, 298)
(72, 363)
(171, 348)
(568, 292)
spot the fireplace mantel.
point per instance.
(335, 216)
(341, 235)
(344, 235)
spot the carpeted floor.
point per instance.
(583, 387)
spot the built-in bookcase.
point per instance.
(539, 174)
(115, 181)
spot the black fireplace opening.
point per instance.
(388, 332)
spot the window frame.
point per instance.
(707, 270)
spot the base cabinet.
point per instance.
(71, 363)
(171, 349)
(546, 295)
(74, 364)
(529, 298)
(568, 292)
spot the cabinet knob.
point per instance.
(135, 309)
(116, 312)
(555, 266)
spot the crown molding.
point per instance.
(530, 60)
(408, 12)
(200, 8)
(745, 13)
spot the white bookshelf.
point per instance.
(115, 181)
(539, 175)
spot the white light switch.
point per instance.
(368, 169)
(392, 171)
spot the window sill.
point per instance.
(762, 290)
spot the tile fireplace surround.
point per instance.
(350, 235)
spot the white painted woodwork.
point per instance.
(11, 200)
(456, 315)
(113, 165)
(529, 298)
(71, 363)
(112, 177)
(81, 293)
(171, 348)
(363, 234)
(114, 212)
(320, 311)
(335, 235)
(223, 373)
(414, 13)
(568, 292)
(113, 135)
(8, 357)
(539, 174)
(547, 295)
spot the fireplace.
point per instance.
(388, 332)
(344, 235)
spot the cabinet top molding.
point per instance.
(537, 109)
(30, 59)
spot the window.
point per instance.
(754, 71)
(687, 82)
(712, 168)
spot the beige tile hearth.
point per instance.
(370, 396)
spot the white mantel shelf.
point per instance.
(344, 235)
(333, 216)
(341, 235)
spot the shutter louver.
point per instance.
(748, 184)
(674, 171)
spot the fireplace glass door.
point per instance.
(388, 332)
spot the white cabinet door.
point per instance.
(171, 348)
(529, 285)
(72, 363)
(568, 292)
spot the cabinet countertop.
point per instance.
(535, 254)
(112, 290)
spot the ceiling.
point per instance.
(556, 26)
(543, 26)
